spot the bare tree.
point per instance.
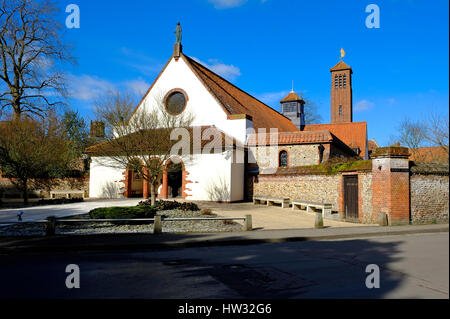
(34, 153)
(411, 133)
(437, 130)
(312, 115)
(138, 141)
(430, 130)
(30, 50)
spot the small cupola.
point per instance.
(292, 106)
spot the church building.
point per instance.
(262, 137)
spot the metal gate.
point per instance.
(351, 197)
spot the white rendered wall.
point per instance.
(201, 104)
(211, 177)
(104, 181)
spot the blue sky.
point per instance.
(399, 70)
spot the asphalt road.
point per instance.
(411, 266)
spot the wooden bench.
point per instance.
(312, 206)
(66, 193)
(270, 201)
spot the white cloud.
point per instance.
(88, 87)
(139, 86)
(144, 64)
(363, 105)
(225, 4)
(228, 71)
(272, 98)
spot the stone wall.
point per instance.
(8, 189)
(298, 155)
(316, 188)
(319, 188)
(429, 198)
(365, 198)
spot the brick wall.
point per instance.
(429, 198)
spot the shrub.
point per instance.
(170, 205)
(123, 212)
(188, 206)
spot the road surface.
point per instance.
(411, 266)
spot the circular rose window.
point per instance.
(175, 102)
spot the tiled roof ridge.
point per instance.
(246, 93)
(215, 82)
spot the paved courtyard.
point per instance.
(263, 217)
(271, 217)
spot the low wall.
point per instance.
(82, 183)
(306, 187)
(319, 188)
(429, 198)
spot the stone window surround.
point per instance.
(179, 90)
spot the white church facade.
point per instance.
(218, 105)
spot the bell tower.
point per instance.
(341, 93)
(293, 107)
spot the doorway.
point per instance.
(174, 180)
(351, 201)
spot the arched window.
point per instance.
(340, 81)
(345, 81)
(335, 81)
(283, 159)
(340, 109)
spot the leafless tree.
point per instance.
(138, 141)
(31, 48)
(411, 133)
(437, 130)
(312, 115)
(430, 130)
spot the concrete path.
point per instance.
(272, 217)
(41, 212)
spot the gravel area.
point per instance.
(33, 229)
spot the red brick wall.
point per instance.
(341, 96)
(390, 184)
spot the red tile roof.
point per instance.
(372, 145)
(434, 154)
(111, 147)
(292, 138)
(235, 101)
(292, 96)
(354, 134)
(341, 66)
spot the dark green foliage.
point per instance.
(123, 212)
(171, 205)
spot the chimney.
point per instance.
(97, 129)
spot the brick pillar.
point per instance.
(145, 188)
(390, 184)
(164, 185)
(127, 181)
